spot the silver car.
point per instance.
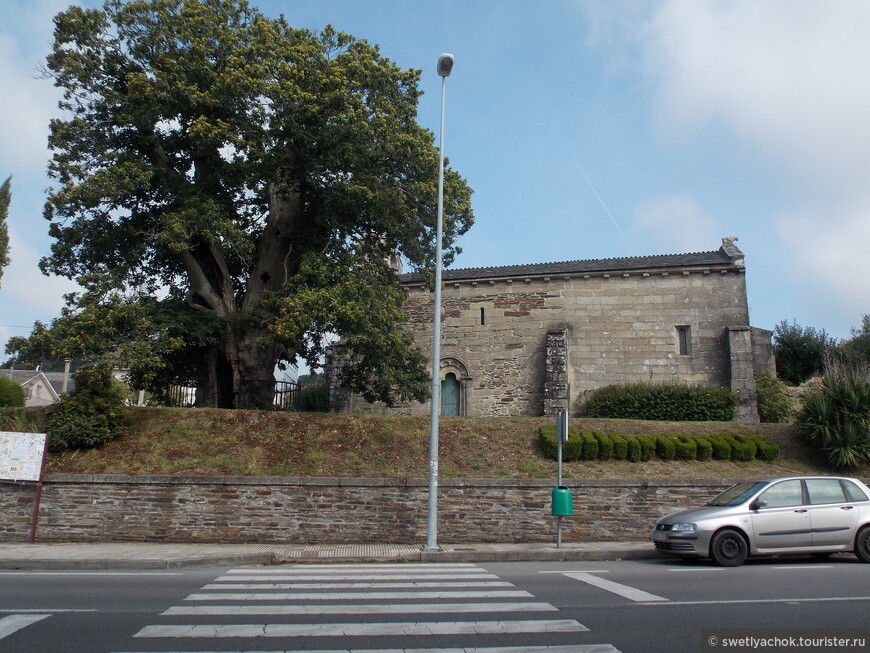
(818, 515)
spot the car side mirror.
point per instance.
(760, 503)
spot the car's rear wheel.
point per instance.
(728, 548)
(862, 544)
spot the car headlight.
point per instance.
(682, 529)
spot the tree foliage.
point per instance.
(856, 350)
(255, 174)
(800, 351)
(5, 200)
(91, 415)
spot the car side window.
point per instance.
(781, 495)
(825, 490)
(855, 493)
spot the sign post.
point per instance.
(562, 501)
(22, 460)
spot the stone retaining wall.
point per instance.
(335, 510)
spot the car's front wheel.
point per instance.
(862, 544)
(728, 548)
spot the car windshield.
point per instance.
(737, 494)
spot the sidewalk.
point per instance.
(135, 555)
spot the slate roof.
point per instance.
(54, 378)
(626, 264)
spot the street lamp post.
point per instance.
(445, 66)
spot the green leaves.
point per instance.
(213, 152)
(675, 403)
(836, 419)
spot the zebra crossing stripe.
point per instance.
(364, 629)
(391, 608)
(385, 585)
(338, 596)
(261, 578)
(383, 567)
(15, 622)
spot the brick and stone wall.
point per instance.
(618, 329)
(333, 510)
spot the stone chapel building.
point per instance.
(534, 339)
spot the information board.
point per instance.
(21, 456)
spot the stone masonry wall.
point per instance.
(620, 328)
(333, 510)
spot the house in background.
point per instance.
(535, 339)
(42, 388)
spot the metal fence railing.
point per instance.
(181, 393)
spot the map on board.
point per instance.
(21, 456)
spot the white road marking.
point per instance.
(742, 601)
(631, 593)
(571, 648)
(15, 622)
(332, 577)
(366, 630)
(326, 586)
(333, 596)
(45, 610)
(381, 568)
(391, 608)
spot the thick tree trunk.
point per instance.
(238, 373)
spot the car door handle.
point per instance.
(801, 510)
(846, 507)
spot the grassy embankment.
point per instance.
(223, 442)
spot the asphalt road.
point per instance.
(580, 607)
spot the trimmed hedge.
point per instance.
(669, 403)
(590, 444)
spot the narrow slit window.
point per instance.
(684, 340)
(483, 316)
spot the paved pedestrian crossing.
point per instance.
(355, 608)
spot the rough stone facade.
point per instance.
(332, 510)
(528, 340)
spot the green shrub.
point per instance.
(620, 446)
(836, 419)
(705, 448)
(666, 447)
(313, 398)
(765, 449)
(773, 403)
(91, 415)
(11, 393)
(647, 446)
(571, 450)
(590, 445)
(685, 447)
(742, 447)
(605, 445)
(675, 403)
(721, 447)
(633, 451)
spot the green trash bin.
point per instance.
(563, 503)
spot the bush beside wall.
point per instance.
(590, 444)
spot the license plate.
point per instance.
(659, 536)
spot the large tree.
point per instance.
(5, 199)
(251, 174)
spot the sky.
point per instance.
(588, 129)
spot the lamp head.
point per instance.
(445, 65)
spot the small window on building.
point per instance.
(483, 316)
(38, 389)
(684, 340)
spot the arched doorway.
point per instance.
(450, 396)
